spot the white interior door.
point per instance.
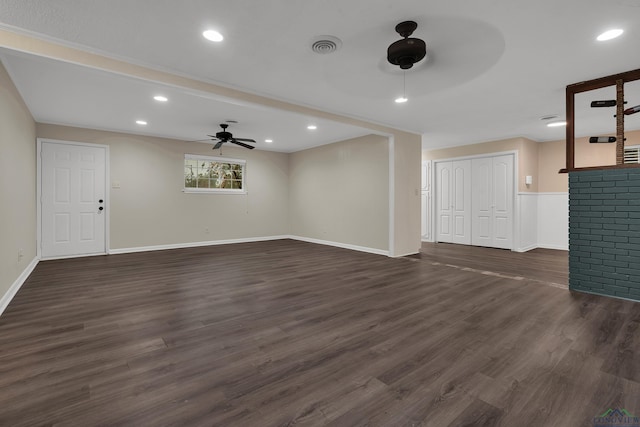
(444, 204)
(482, 172)
(492, 222)
(503, 202)
(461, 198)
(73, 199)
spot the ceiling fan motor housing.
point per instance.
(409, 50)
(224, 136)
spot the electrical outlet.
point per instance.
(206, 230)
(20, 253)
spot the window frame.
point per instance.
(228, 160)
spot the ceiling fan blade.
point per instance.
(200, 140)
(244, 139)
(218, 145)
(235, 141)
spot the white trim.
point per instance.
(72, 256)
(392, 195)
(107, 193)
(555, 247)
(15, 287)
(194, 244)
(404, 255)
(190, 190)
(341, 245)
(527, 248)
(248, 240)
(477, 156)
(196, 190)
(188, 156)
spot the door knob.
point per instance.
(100, 201)
(100, 208)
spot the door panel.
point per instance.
(73, 183)
(503, 202)
(444, 207)
(462, 202)
(481, 170)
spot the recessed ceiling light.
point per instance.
(557, 124)
(268, 141)
(611, 34)
(401, 100)
(312, 127)
(141, 122)
(161, 98)
(213, 36)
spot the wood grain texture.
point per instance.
(291, 333)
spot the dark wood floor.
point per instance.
(291, 333)
(547, 266)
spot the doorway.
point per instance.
(72, 202)
(475, 201)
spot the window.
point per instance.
(204, 174)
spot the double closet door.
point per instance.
(474, 201)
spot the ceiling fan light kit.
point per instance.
(407, 51)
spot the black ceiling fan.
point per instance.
(224, 136)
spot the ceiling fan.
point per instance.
(224, 136)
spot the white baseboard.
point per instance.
(15, 287)
(527, 248)
(194, 244)
(556, 247)
(340, 245)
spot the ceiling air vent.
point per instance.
(325, 44)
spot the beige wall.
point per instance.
(552, 158)
(406, 204)
(150, 208)
(17, 184)
(527, 156)
(340, 192)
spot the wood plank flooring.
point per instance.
(291, 333)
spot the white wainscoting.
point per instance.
(528, 224)
(553, 220)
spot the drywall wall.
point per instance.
(150, 208)
(527, 156)
(17, 184)
(406, 206)
(551, 158)
(340, 192)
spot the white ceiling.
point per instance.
(494, 67)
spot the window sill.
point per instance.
(212, 191)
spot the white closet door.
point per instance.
(461, 198)
(503, 202)
(482, 172)
(492, 221)
(444, 204)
